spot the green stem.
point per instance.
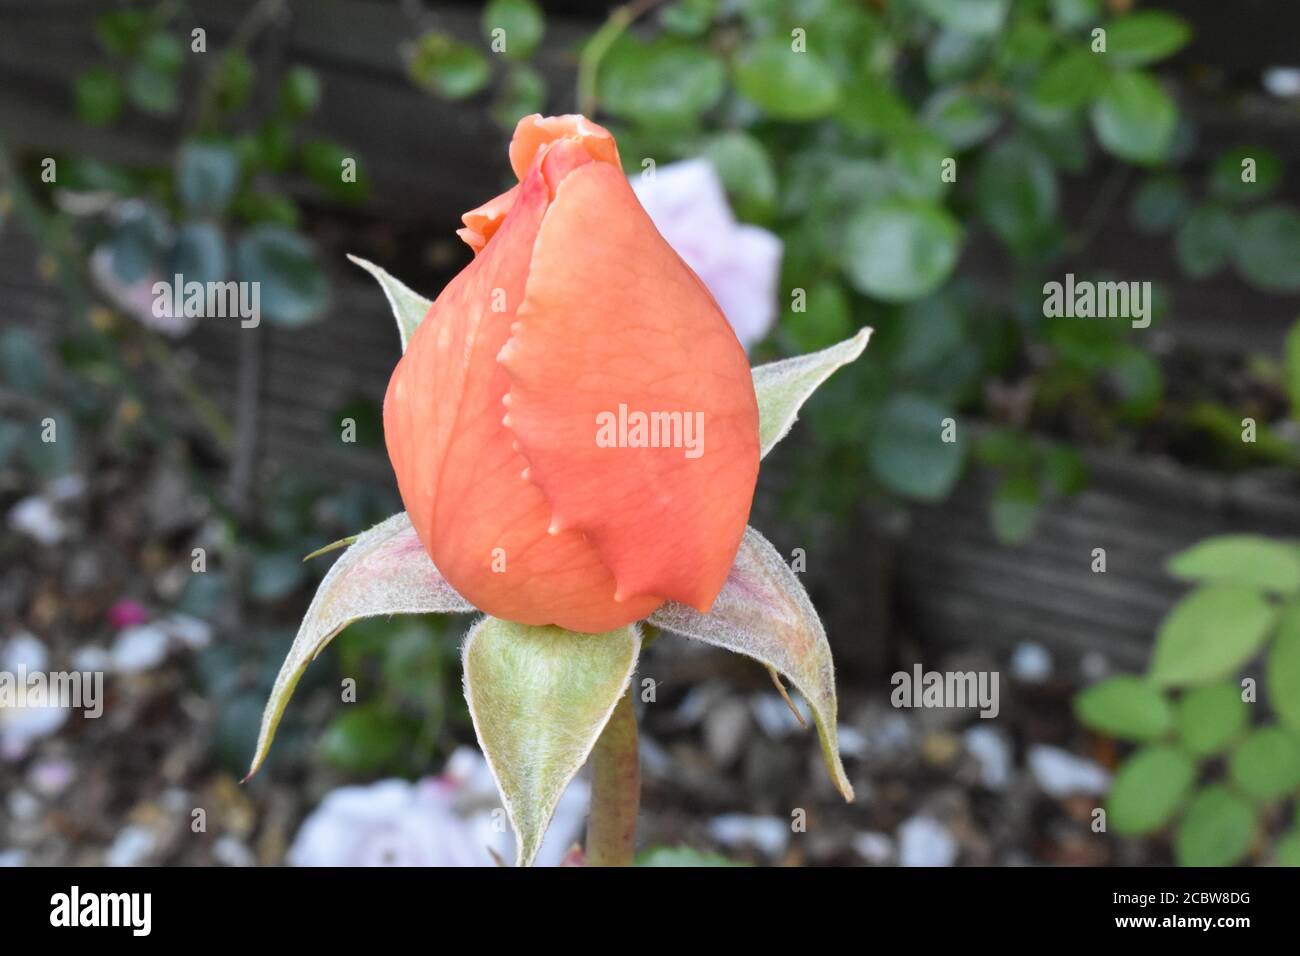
(615, 790)
(595, 49)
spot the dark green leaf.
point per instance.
(291, 285)
(1205, 240)
(901, 249)
(1267, 253)
(1159, 204)
(908, 453)
(1016, 192)
(976, 17)
(99, 97)
(1135, 119)
(1146, 36)
(787, 84)
(1015, 508)
(206, 175)
(663, 82)
(300, 92)
(447, 67)
(521, 24)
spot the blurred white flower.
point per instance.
(136, 298)
(452, 820)
(740, 263)
(138, 648)
(1062, 774)
(1282, 81)
(37, 519)
(20, 727)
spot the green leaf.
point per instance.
(1210, 633)
(745, 170)
(522, 94)
(99, 97)
(1267, 253)
(827, 319)
(522, 25)
(299, 92)
(233, 81)
(163, 51)
(1148, 789)
(782, 387)
(681, 856)
(1227, 180)
(1287, 851)
(539, 698)
(324, 161)
(1284, 668)
(1248, 559)
(1159, 204)
(1291, 361)
(122, 31)
(1070, 81)
(447, 67)
(1070, 15)
(1134, 119)
(787, 84)
(1146, 36)
(955, 56)
(409, 308)
(916, 162)
(207, 174)
(152, 90)
(1266, 765)
(663, 82)
(908, 453)
(1015, 508)
(962, 118)
(1126, 707)
(1211, 717)
(1205, 240)
(974, 17)
(1065, 470)
(283, 263)
(763, 612)
(1016, 193)
(199, 253)
(365, 738)
(23, 366)
(1217, 829)
(901, 249)
(385, 571)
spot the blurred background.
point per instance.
(926, 167)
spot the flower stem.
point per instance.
(615, 790)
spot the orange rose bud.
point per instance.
(573, 426)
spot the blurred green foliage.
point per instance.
(223, 209)
(914, 157)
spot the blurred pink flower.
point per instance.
(740, 263)
(126, 612)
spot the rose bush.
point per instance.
(573, 307)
